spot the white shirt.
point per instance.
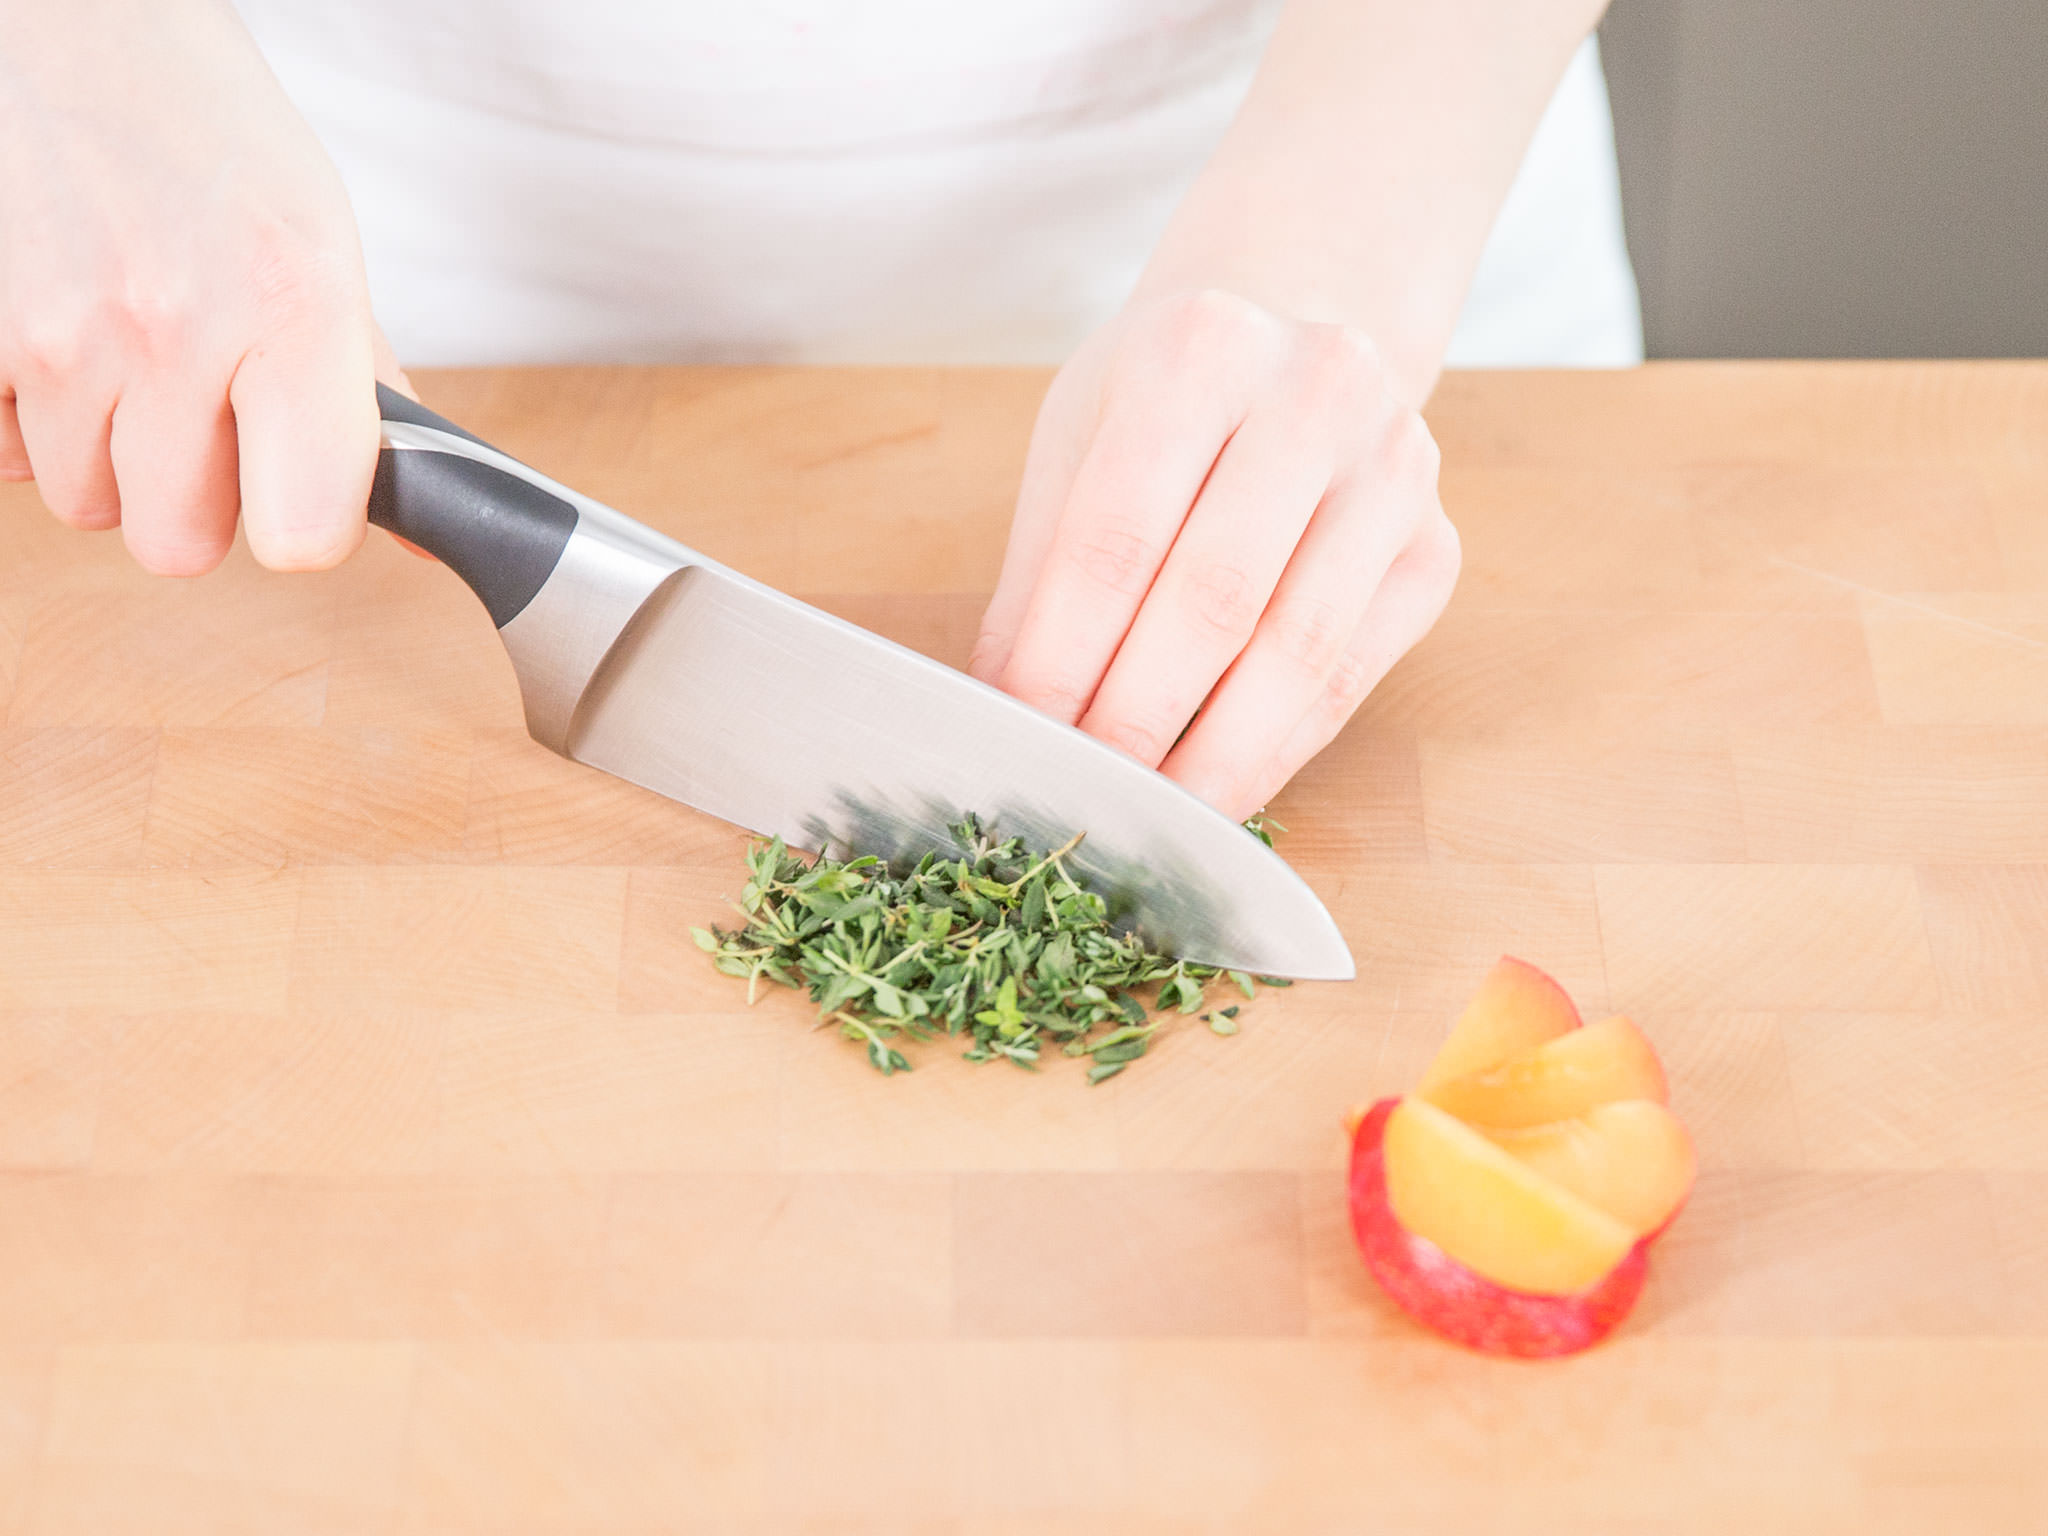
(800, 181)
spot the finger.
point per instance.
(1405, 605)
(1410, 601)
(66, 438)
(1366, 521)
(13, 452)
(172, 445)
(1203, 608)
(1059, 437)
(306, 423)
(1163, 423)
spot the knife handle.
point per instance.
(477, 513)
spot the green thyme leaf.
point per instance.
(1109, 1055)
(1262, 826)
(988, 941)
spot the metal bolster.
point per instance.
(610, 566)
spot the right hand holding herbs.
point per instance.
(185, 328)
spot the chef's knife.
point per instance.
(643, 658)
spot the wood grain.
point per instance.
(378, 1155)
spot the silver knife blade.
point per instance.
(641, 657)
(740, 700)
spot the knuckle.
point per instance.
(1340, 363)
(1206, 323)
(1311, 633)
(134, 316)
(1413, 450)
(1441, 549)
(1121, 559)
(1350, 680)
(51, 342)
(1345, 350)
(154, 319)
(1196, 335)
(1220, 600)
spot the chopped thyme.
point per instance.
(1004, 948)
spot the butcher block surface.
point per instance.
(377, 1154)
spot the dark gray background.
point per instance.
(1835, 178)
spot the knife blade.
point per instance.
(643, 658)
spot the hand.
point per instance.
(185, 331)
(1223, 511)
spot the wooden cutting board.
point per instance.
(379, 1155)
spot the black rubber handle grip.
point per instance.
(500, 533)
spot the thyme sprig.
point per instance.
(986, 941)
